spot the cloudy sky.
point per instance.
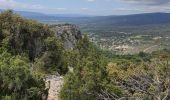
(90, 7)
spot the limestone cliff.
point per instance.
(69, 34)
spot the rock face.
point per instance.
(69, 34)
(54, 84)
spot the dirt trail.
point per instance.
(54, 83)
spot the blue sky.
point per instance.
(90, 7)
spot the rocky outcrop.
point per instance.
(69, 34)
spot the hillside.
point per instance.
(29, 52)
(32, 54)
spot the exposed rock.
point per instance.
(54, 84)
(69, 34)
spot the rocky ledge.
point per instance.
(68, 33)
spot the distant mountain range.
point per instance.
(27, 13)
(38, 14)
(135, 19)
(132, 20)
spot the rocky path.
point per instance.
(54, 83)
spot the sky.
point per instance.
(88, 7)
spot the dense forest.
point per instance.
(30, 50)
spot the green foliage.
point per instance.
(28, 49)
(35, 40)
(144, 80)
(16, 80)
(86, 80)
(128, 76)
(53, 59)
(24, 36)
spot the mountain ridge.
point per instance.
(114, 20)
(135, 19)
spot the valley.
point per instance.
(129, 43)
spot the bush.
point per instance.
(16, 80)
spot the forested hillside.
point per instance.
(29, 51)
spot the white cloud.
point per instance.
(12, 4)
(84, 8)
(60, 9)
(127, 9)
(91, 0)
(147, 2)
(131, 6)
(144, 6)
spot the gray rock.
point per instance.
(69, 34)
